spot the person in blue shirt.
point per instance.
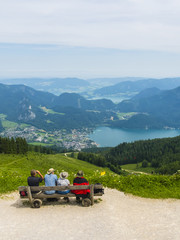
(50, 180)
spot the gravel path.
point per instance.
(118, 216)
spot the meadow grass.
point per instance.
(122, 116)
(14, 170)
(137, 167)
(50, 111)
(41, 144)
(8, 124)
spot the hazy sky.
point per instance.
(89, 38)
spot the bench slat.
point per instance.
(58, 188)
(55, 195)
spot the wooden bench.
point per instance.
(36, 199)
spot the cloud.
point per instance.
(120, 24)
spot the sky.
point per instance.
(89, 39)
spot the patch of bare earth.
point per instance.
(117, 216)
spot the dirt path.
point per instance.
(134, 172)
(118, 216)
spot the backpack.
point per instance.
(101, 190)
(23, 193)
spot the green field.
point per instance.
(14, 170)
(41, 144)
(137, 168)
(6, 123)
(9, 124)
(50, 111)
(123, 116)
(2, 116)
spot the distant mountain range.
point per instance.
(152, 108)
(52, 85)
(61, 85)
(123, 88)
(139, 85)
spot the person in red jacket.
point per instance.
(80, 180)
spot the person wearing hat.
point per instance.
(63, 181)
(80, 180)
(50, 180)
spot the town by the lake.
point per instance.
(75, 139)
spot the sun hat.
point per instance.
(63, 175)
(80, 173)
(51, 170)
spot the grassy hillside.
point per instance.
(14, 170)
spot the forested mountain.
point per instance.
(77, 101)
(148, 92)
(162, 107)
(21, 103)
(137, 86)
(141, 121)
(45, 110)
(163, 154)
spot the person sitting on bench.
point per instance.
(50, 180)
(80, 180)
(63, 181)
(33, 180)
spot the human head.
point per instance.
(33, 173)
(51, 170)
(80, 173)
(63, 175)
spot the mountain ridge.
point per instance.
(153, 108)
(24, 104)
(139, 85)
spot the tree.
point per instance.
(72, 155)
(144, 163)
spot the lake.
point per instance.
(111, 137)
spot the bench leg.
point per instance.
(30, 196)
(92, 194)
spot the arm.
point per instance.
(56, 180)
(38, 172)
